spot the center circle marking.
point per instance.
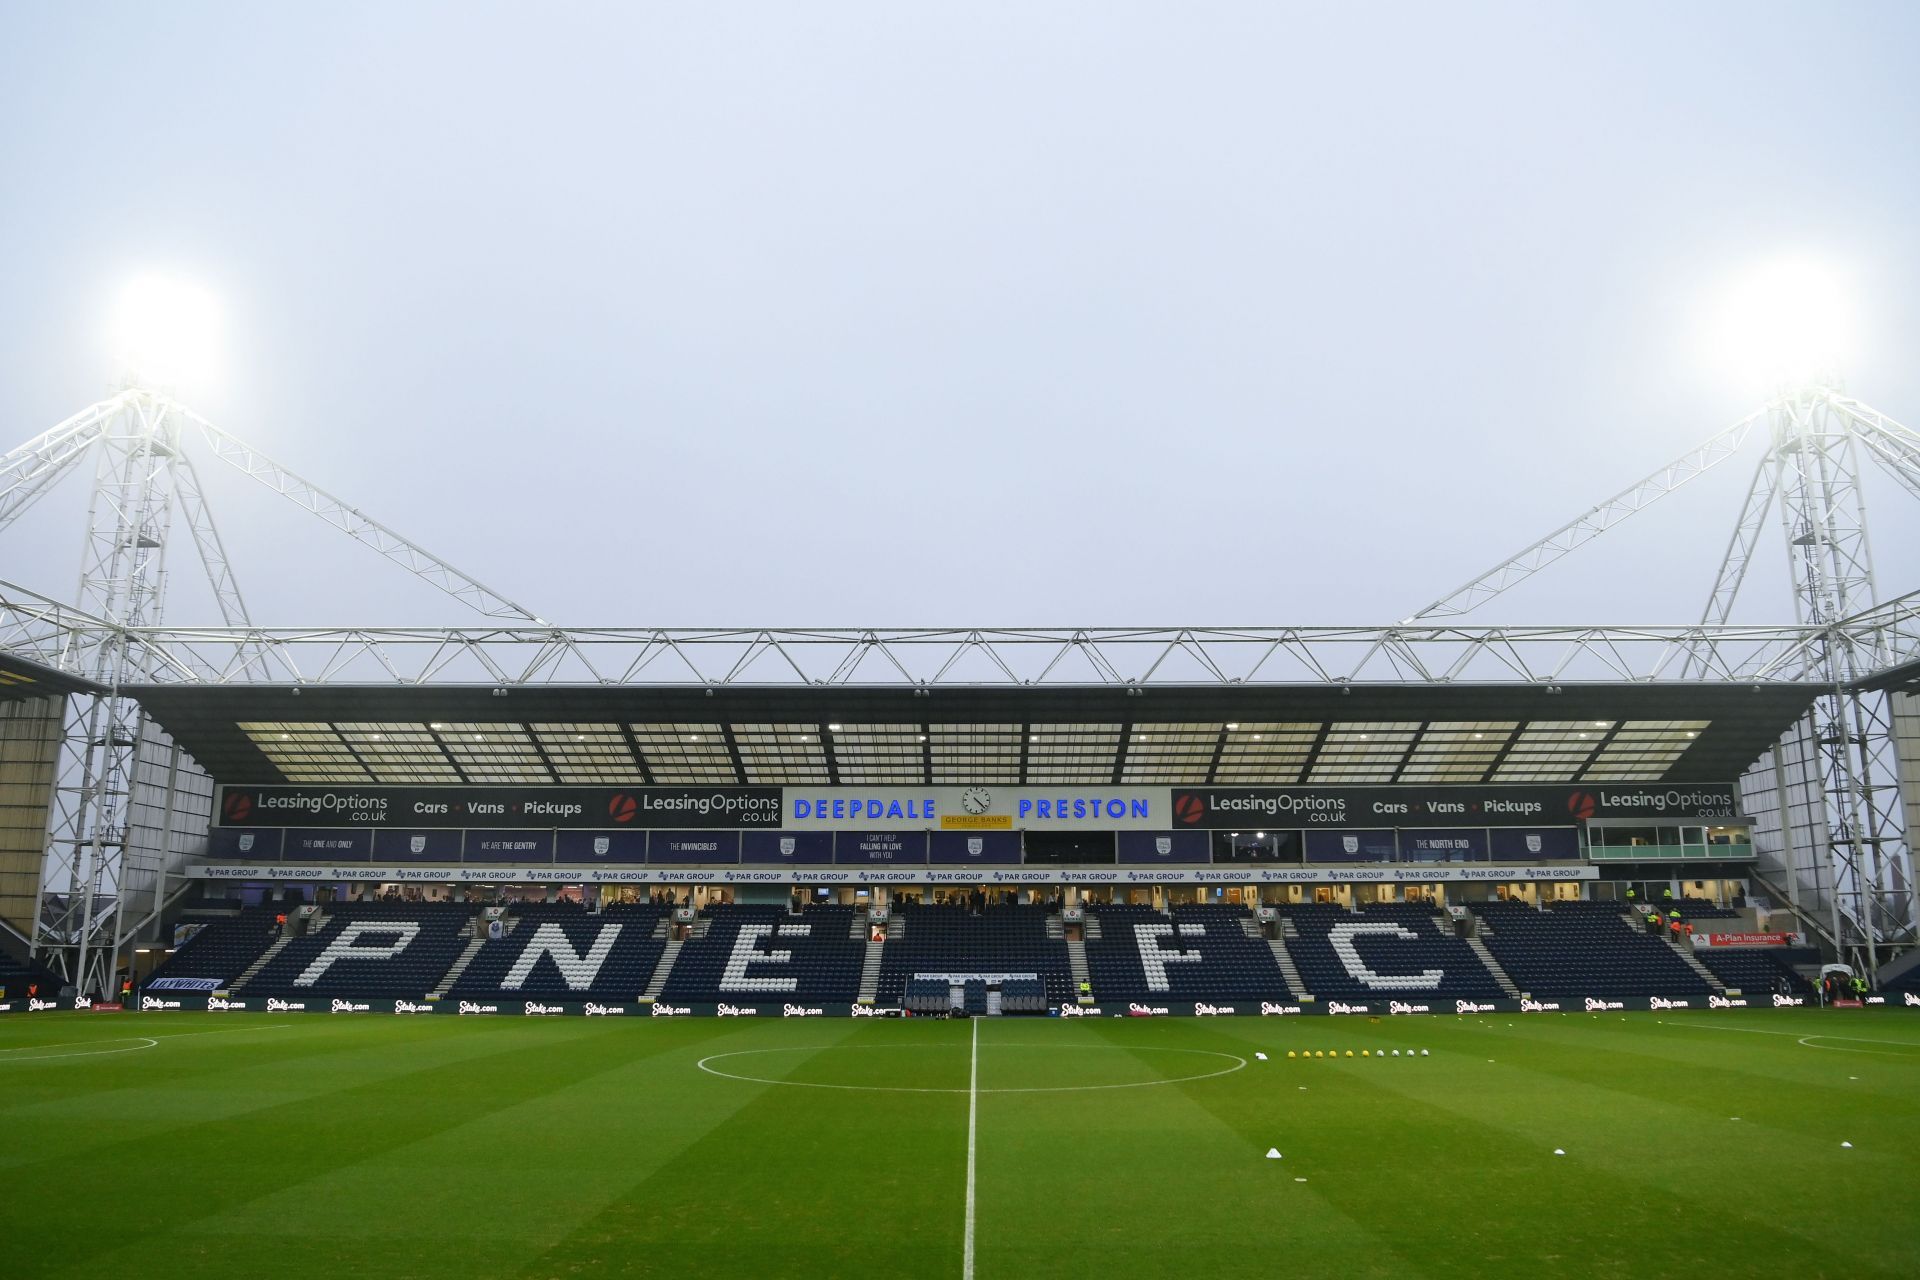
(1238, 1064)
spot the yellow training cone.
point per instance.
(1289, 1053)
(1366, 1053)
(1349, 1053)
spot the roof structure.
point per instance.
(21, 678)
(1358, 734)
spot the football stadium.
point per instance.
(1438, 947)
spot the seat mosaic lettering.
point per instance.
(346, 946)
(1341, 937)
(578, 970)
(746, 951)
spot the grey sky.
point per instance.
(885, 314)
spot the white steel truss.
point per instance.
(963, 657)
(142, 477)
(1576, 533)
(117, 638)
(1810, 474)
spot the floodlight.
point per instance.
(1785, 323)
(166, 332)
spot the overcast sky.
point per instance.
(890, 314)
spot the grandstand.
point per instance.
(557, 951)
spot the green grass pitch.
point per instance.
(186, 1145)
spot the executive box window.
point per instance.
(1072, 848)
(1628, 837)
(1257, 846)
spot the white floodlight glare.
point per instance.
(166, 333)
(1785, 323)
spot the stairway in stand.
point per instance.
(1288, 969)
(1479, 948)
(661, 970)
(279, 944)
(1077, 964)
(870, 971)
(1706, 974)
(476, 940)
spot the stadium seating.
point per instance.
(224, 948)
(369, 950)
(558, 951)
(1700, 909)
(1756, 970)
(1908, 981)
(950, 939)
(810, 956)
(1582, 949)
(926, 995)
(1023, 995)
(16, 976)
(1137, 956)
(1386, 950)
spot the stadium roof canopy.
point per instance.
(868, 735)
(21, 678)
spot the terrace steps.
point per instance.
(1077, 966)
(465, 958)
(247, 975)
(1288, 970)
(662, 970)
(1706, 975)
(1479, 948)
(870, 970)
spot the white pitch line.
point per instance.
(145, 1042)
(973, 1113)
(1802, 1037)
(225, 1031)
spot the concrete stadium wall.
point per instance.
(1805, 873)
(30, 730)
(157, 843)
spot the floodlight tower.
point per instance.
(86, 877)
(96, 877)
(1815, 460)
(1840, 765)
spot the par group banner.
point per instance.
(902, 871)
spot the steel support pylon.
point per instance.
(1815, 457)
(123, 581)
